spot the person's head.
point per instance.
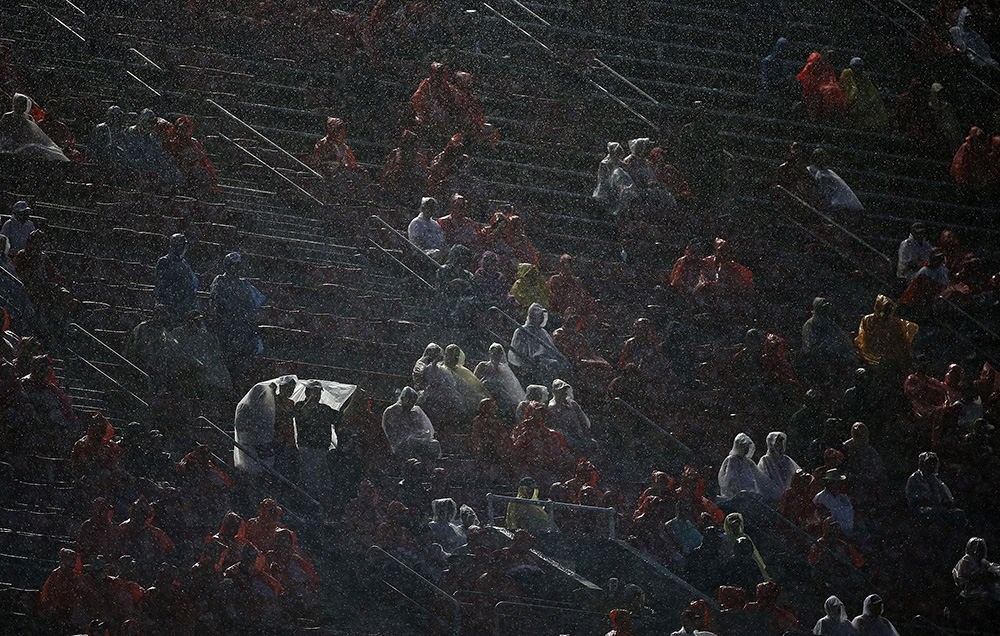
(497, 353)
(928, 463)
(444, 510)
(336, 128)
(872, 605)
(733, 524)
(232, 264)
(801, 481)
(796, 152)
(918, 231)
(731, 597)
(21, 104)
(284, 386)
(21, 211)
(642, 329)
(432, 353)
(634, 596)
(537, 316)
(834, 609)
(616, 151)
(115, 117)
(723, 251)
(314, 391)
(743, 446)
(231, 525)
(536, 393)
(860, 433)
(177, 245)
(183, 127)
(428, 207)
(146, 120)
(452, 355)
(527, 488)
(561, 391)
(776, 441)
(692, 620)
(640, 147)
(767, 593)
(820, 158)
(833, 480)
(408, 398)
(102, 511)
(68, 559)
(832, 458)
(780, 47)
(487, 408)
(439, 72)
(975, 547)
(884, 306)
(566, 265)
(857, 64)
(269, 509)
(821, 307)
(936, 259)
(459, 206)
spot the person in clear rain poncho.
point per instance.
(776, 468)
(254, 429)
(532, 393)
(643, 174)
(974, 575)
(871, 622)
(605, 192)
(236, 302)
(835, 623)
(533, 352)
(439, 395)
(424, 231)
(470, 388)
(407, 429)
(971, 43)
(567, 418)
(443, 528)
(108, 142)
(500, 381)
(834, 192)
(738, 472)
(20, 135)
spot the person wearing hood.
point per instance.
(470, 389)
(766, 601)
(835, 623)
(146, 153)
(439, 395)
(734, 535)
(393, 536)
(865, 108)
(776, 468)
(195, 343)
(331, 155)
(425, 232)
(834, 193)
(929, 495)
(190, 156)
(864, 466)
(408, 431)
(96, 452)
(489, 439)
(566, 417)
(605, 192)
(530, 287)
(777, 75)
(491, 280)
(176, 283)
(971, 166)
(98, 534)
(975, 576)
(261, 530)
(569, 292)
(437, 102)
(362, 515)
(883, 339)
(871, 622)
(458, 228)
(17, 229)
(108, 142)
(820, 90)
(405, 171)
(501, 383)
(442, 526)
(621, 623)
(593, 371)
(797, 505)
(971, 43)
(139, 537)
(20, 135)
(688, 270)
(738, 473)
(527, 517)
(538, 447)
(68, 595)
(644, 176)
(532, 393)
(449, 172)
(235, 302)
(724, 281)
(533, 352)
(294, 572)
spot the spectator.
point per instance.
(724, 281)
(448, 171)
(489, 438)
(145, 152)
(971, 165)
(871, 622)
(294, 573)
(834, 193)
(913, 252)
(362, 515)
(393, 536)
(315, 425)
(68, 595)
(734, 533)
(974, 576)
(426, 233)
(530, 287)
(500, 381)
(20, 135)
(864, 103)
(820, 90)
(108, 143)
(929, 495)
(139, 537)
(45, 284)
(824, 344)
(190, 157)
(18, 227)
(57, 131)
(538, 446)
(439, 396)
(569, 292)
(405, 171)
(491, 280)
(98, 534)
(408, 430)
(797, 503)
(777, 75)
(883, 339)
(835, 622)
(455, 266)
(437, 102)
(794, 175)
(834, 500)
(176, 282)
(971, 43)
(738, 473)
(262, 529)
(458, 228)
(689, 269)
(443, 528)
(573, 342)
(606, 190)
(96, 452)
(621, 623)
(470, 389)
(332, 156)
(533, 352)
(235, 303)
(776, 468)
(566, 417)
(781, 620)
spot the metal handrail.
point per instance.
(549, 506)
(12, 277)
(401, 264)
(375, 552)
(684, 448)
(272, 169)
(663, 570)
(77, 327)
(108, 378)
(406, 240)
(543, 609)
(266, 468)
(264, 137)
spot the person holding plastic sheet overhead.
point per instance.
(500, 381)
(409, 432)
(820, 90)
(533, 353)
(315, 425)
(833, 192)
(20, 135)
(235, 302)
(864, 103)
(738, 473)
(254, 428)
(566, 417)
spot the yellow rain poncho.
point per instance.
(525, 516)
(530, 287)
(884, 338)
(864, 104)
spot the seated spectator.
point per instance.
(455, 267)
(913, 114)
(606, 191)
(685, 533)
(971, 166)
(820, 91)
(777, 75)
(794, 176)
(835, 623)
(832, 557)
(530, 287)
(533, 352)
(871, 622)
(145, 152)
(724, 281)
(437, 103)
(58, 132)
(864, 103)
(405, 171)
(832, 458)
(425, 232)
(667, 174)
(458, 228)
(527, 517)
(476, 128)
(833, 498)
(68, 595)
(644, 176)
(914, 251)
(394, 537)
(203, 482)
(536, 445)
(825, 346)
(593, 371)
(96, 452)
(689, 269)
(176, 283)
(971, 43)
(566, 417)
(692, 489)
(797, 505)
(256, 591)
(190, 156)
(491, 280)
(235, 302)
(734, 535)
(738, 473)
(443, 527)
(650, 533)
(585, 476)
(362, 515)
(108, 144)
(17, 228)
(331, 155)
(471, 390)
(691, 622)
(262, 529)
(568, 291)
(294, 572)
(834, 193)
(232, 537)
(621, 623)
(501, 383)
(884, 339)
(196, 344)
(661, 485)
(448, 172)
(44, 283)
(645, 352)
(20, 135)
(929, 397)
(489, 438)
(139, 537)
(863, 465)
(409, 432)
(766, 601)
(776, 468)
(99, 534)
(930, 282)
(506, 237)
(929, 495)
(947, 129)
(975, 576)
(439, 396)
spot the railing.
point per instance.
(423, 255)
(78, 329)
(663, 571)
(388, 564)
(417, 276)
(587, 621)
(108, 378)
(271, 168)
(681, 446)
(550, 506)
